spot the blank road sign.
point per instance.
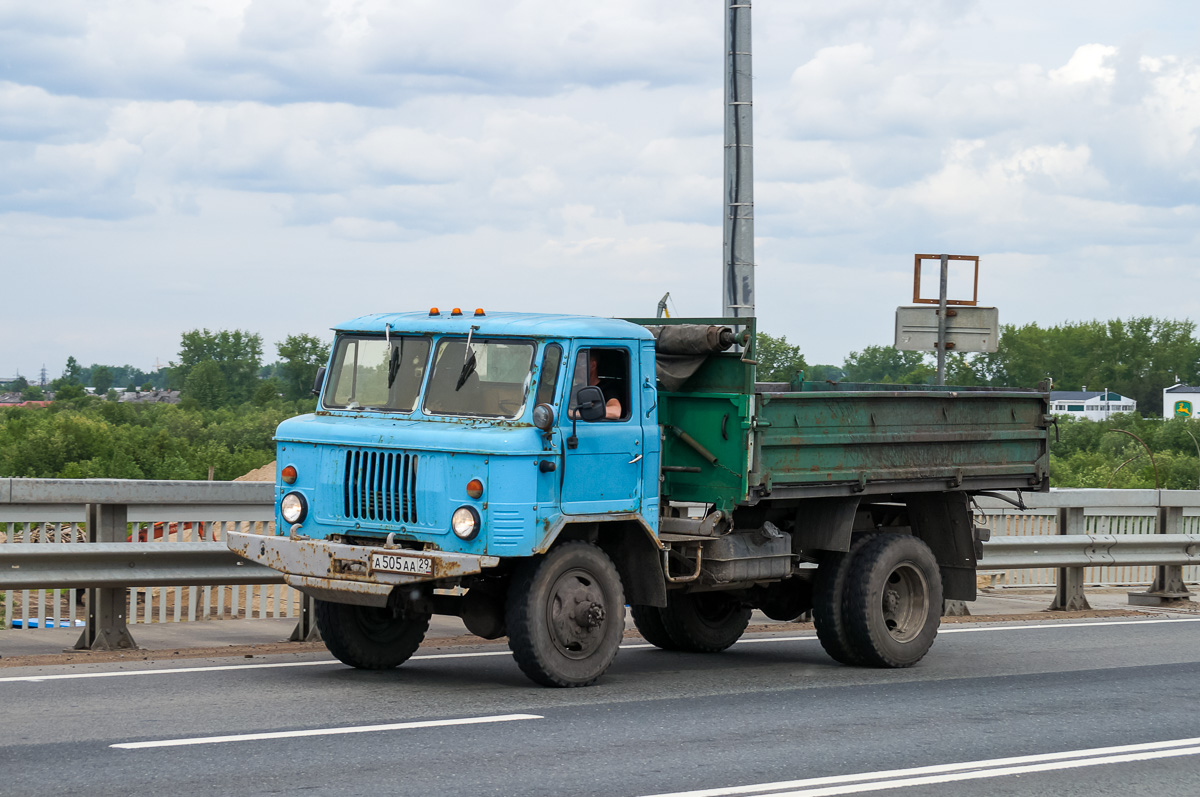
(969, 329)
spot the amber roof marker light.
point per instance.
(434, 311)
(479, 311)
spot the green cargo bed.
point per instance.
(729, 441)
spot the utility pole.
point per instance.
(737, 284)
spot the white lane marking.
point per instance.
(947, 773)
(1052, 624)
(636, 646)
(396, 726)
(223, 667)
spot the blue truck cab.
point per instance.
(426, 432)
(446, 447)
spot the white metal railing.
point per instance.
(1104, 512)
(153, 515)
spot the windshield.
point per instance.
(490, 380)
(375, 374)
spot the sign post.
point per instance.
(963, 327)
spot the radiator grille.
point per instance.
(381, 485)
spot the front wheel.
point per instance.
(894, 601)
(566, 615)
(369, 637)
(704, 622)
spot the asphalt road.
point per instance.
(1103, 707)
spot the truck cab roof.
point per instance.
(531, 325)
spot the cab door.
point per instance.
(603, 472)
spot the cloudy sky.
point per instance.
(282, 165)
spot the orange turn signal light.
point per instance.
(475, 488)
(288, 474)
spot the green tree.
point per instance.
(32, 393)
(72, 373)
(889, 365)
(102, 378)
(778, 360)
(825, 373)
(268, 390)
(236, 353)
(206, 385)
(1137, 357)
(302, 356)
(69, 391)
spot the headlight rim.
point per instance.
(476, 523)
(302, 514)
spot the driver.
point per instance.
(612, 405)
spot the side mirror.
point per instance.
(543, 417)
(589, 403)
(319, 382)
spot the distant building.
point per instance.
(1095, 405)
(149, 396)
(1181, 401)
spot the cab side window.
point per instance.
(548, 376)
(607, 369)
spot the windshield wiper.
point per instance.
(467, 369)
(393, 365)
(469, 363)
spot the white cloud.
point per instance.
(1089, 64)
(514, 147)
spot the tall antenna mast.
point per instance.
(737, 283)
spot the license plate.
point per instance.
(396, 563)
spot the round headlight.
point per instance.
(543, 417)
(465, 522)
(293, 507)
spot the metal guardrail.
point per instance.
(1091, 550)
(1172, 545)
(90, 534)
(116, 565)
(113, 562)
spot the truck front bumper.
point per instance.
(342, 573)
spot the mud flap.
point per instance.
(943, 522)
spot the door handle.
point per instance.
(635, 459)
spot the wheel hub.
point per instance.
(905, 602)
(575, 614)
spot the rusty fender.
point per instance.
(343, 573)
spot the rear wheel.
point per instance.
(649, 622)
(829, 598)
(369, 637)
(704, 622)
(894, 603)
(566, 615)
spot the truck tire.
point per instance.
(704, 622)
(829, 599)
(894, 601)
(566, 615)
(649, 622)
(369, 637)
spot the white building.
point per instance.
(1095, 405)
(1181, 401)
